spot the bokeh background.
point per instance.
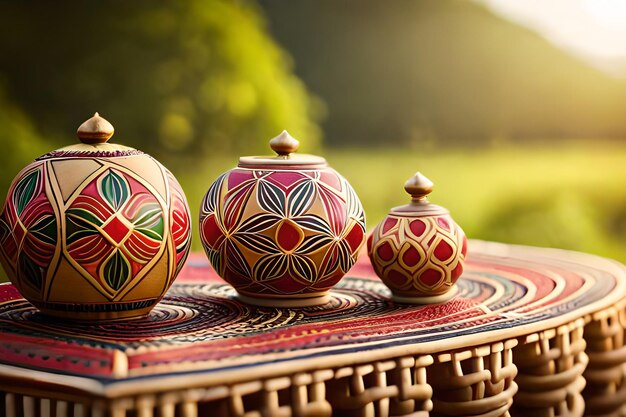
(516, 109)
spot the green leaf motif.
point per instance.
(25, 190)
(116, 270)
(77, 228)
(45, 229)
(149, 221)
(84, 216)
(151, 234)
(29, 270)
(115, 189)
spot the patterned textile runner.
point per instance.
(200, 328)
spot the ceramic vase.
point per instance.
(282, 230)
(418, 250)
(94, 231)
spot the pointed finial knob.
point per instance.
(284, 144)
(418, 186)
(95, 130)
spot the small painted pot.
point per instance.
(94, 231)
(418, 250)
(282, 230)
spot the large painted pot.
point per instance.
(418, 250)
(282, 230)
(94, 231)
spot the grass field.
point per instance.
(570, 196)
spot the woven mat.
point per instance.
(201, 327)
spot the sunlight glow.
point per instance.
(608, 13)
(594, 30)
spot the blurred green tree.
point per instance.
(175, 78)
(444, 72)
(20, 142)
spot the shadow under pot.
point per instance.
(284, 229)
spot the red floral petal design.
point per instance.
(385, 252)
(355, 237)
(29, 228)
(212, 235)
(457, 271)
(90, 249)
(235, 203)
(431, 277)
(417, 227)
(397, 278)
(331, 179)
(304, 228)
(288, 236)
(238, 177)
(286, 284)
(335, 210)
(443, 251)
(411, 257)
(285, 179)
(134, 230)
(443, 223)
(389, 223)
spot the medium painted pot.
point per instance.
(282, 230)
(418, 250)
(94, 231)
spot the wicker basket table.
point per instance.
(536, 332)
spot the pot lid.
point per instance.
(418, 186)
(285, 147)
(94, 134)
